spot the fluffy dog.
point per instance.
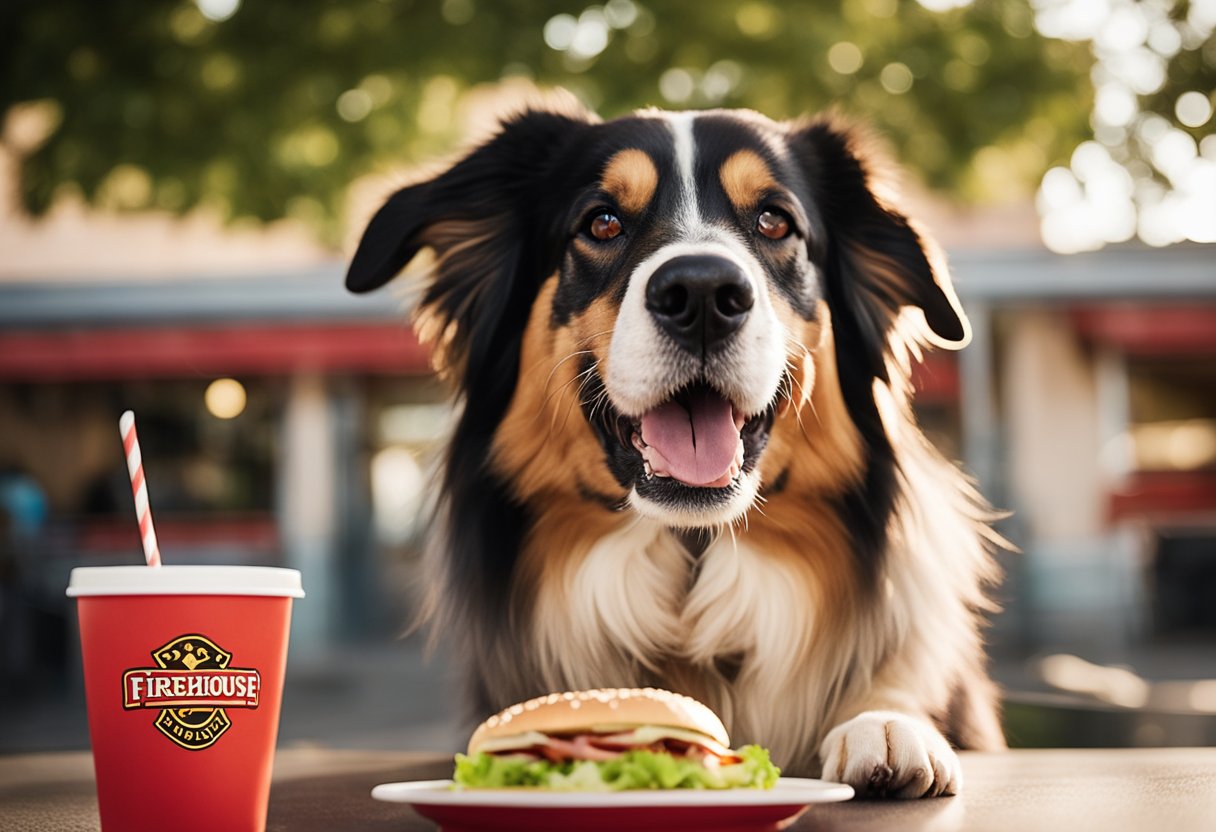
(686, 456)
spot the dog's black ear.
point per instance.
(481, 219)
(877, 263)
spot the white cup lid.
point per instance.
(184, 580)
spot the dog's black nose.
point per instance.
(699, 300)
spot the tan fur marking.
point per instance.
(631, 179)
(746, 178)
(549, 453)
(594, 329)
(544, 446)
(814, 437)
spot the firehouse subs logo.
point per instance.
(192, 684)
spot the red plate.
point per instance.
(527, 810)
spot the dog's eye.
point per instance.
(773, 224)
(605, 226)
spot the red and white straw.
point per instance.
(135, 467)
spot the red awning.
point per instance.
(1142, 329)
(177, 352)
(1164, 495)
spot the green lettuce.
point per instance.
(638, 769)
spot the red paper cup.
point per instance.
(183, 672)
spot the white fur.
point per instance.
(620, 602)
(745, 601)
(644, 367)
(689, 211)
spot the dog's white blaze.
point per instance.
(689, 211)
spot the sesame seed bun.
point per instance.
(610, 708)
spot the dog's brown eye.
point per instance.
(605, 227)
(773, 224)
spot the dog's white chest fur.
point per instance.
(638, 603)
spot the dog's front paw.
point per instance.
(882, 753)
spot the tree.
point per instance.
(272, 107)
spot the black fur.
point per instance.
(864, 309)
(505, 184)
(840, 182)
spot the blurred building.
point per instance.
(281, 421)
(286, 422)
(1087, 407)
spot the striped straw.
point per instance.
(135, 467)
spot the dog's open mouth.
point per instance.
(694, 438)
(695, 444)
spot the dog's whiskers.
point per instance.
(562, 361)
(562, 387)
(583, 378)
(598, 403)
(791, 378)
(589, 376)
(586, 339)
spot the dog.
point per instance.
(685, 456)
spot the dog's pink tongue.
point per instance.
(699, 443)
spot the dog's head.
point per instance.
(666, 275)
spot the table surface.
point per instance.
(1158, 790)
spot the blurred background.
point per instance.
(180, 181)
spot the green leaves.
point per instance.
(277, 108)
(632, 770)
